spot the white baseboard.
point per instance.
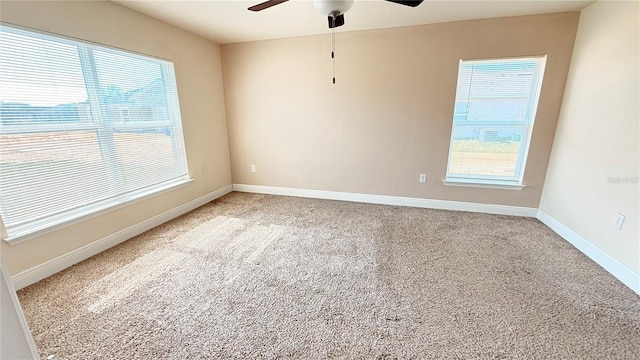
(62, 262)
(621, 272)
(390, 200)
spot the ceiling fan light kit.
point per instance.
(328, 7)
(334, 10)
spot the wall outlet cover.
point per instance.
(619, 221)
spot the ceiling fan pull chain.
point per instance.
(333, 50)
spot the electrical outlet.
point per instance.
(253, 168)
(619, 221)
(423, 178)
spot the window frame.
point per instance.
(495, 181)
(15, 234)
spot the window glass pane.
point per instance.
(41, 81)
(483, 150)
(146, 156)
(131, 88)
(145, 140)
(46, 173)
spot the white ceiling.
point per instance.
(229, 21)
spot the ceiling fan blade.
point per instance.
(412, 3)
(266, 4)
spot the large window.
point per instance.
(495, 106)
(83, 128)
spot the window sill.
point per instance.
(483, 184)
(77, 217)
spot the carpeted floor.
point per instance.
(258, 276)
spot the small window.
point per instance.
(495, 107)
(78, 130)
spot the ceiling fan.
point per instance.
(333, 9)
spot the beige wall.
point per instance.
(199, 80)
(598, 134)
(389, 116)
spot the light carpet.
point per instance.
(259, 276)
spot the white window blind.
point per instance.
(82, 128)
(495, 107)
